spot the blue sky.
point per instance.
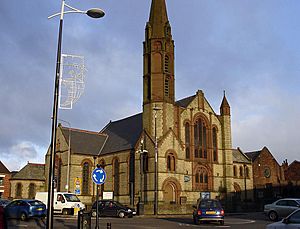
(250, 48)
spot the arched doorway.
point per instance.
(237, 191)
(171, 191)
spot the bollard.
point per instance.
(108, 226)
(84, 220)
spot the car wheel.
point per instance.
(121, 214)
(273, 216)
(23, 216)
(65, 212)
(94, 213)
(222, 222)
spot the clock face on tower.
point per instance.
(267, 172)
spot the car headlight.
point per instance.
(129, 210)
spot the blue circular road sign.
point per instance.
(99, 176)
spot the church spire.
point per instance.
(225, 108)
(159, 82)
(158, 17)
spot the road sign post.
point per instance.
(98, 177)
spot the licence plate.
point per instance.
(210, 212)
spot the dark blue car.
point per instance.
(208, 210)
(24, 209)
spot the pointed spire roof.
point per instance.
(158, 17)
(225, 108)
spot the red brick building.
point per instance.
(266, 170)
(292, 172)
(4, 181)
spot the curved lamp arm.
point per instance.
(93, 12)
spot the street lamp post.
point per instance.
(245, 182)
(94, 13)
(155, 163)
(142, 151)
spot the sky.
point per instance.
(249, 48)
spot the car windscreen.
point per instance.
(71, 198)
(35, 203)
(210, 204)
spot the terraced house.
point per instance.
(193, 143)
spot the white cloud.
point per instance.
(21, 153)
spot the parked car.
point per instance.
(281, 208)
(208, 210)
(4, 202)
(24, 209)
(64, 202)
(290, 222)
(112, 208)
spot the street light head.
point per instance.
(95, 13)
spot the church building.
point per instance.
(172, 154)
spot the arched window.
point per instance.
(187, 140)
(171, 162)
(241, 171)
(201, 178)
(247, 172)
(85, 178)
(234, 171)
(116, 176)
(102, 165)
(215, 144)
(31, 191)
(146, 162)
(200, 139)
(58, 165)
(19, 188)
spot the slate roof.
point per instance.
(3, 168)
(31, 171)
(123, 134)
(185, 101)
(253, 155)
(239, 156)
(84, 142)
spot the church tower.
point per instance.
(158, 56)
(158, 67)
(225, 120)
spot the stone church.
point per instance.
(172, 154)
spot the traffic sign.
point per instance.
(99, 176)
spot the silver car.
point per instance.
(281, 208)
(290, 222)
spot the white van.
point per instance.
(63, 202)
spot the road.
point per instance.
(245, 221)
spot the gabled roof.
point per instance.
(185, 101)
(3, 168)
(123, 134)
(239, 156)
(31, 171)
(84, 142)
(253, 155)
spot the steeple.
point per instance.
(225, 108)
(158, 85)
(158, 17)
